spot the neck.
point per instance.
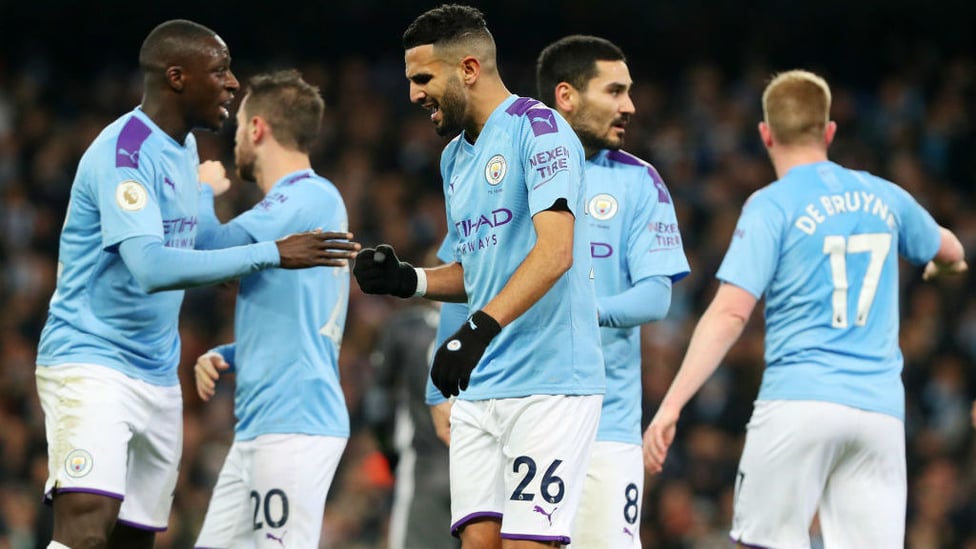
(277, 163)
(482, 101)
(168, 120)
(785, 158)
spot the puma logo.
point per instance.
(281, 540)
(545, 119)
(543, 512)
(167, 181)
(132, 156)
(628, 532)
(472, 324)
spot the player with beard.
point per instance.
(292, 422)
(637, 255)
(108, 355)
(528, 357)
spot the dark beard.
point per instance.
(452, 107)
(595, 142)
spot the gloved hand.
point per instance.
(458, 356)
(378, 271)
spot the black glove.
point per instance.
(378, 271)
(458, 356)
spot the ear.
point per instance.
(470, 70)
(766, 135)
(176, 77)
(257, 129)
(566, 97)
(829, 132)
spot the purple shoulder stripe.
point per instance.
(133, 134)
(626, 158)
(520, 105)
(542, 119)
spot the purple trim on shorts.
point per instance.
(49, 495)
(456, 527)
(564, 540)
(746, 545)
(136, 525)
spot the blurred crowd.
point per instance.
(915, 125)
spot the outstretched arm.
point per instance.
(717, 330)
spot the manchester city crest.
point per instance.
(78, 463)
(496, 169)
(602, 207)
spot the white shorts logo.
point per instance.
(602, 207)
(78, 463)
(131, 196)
(496, 169)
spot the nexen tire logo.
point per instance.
(495, 218)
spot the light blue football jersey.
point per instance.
(524, 160)
(134, 180)
(822, 245)
(288, 324)
(634, 235)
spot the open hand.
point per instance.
(316, 249)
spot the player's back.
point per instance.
(133, 181)
(289, 323)
(825, 248)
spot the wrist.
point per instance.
(482, 323)
(421, 290)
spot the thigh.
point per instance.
(476, 464)
(865, 497)
(86, 411)
(290, 479)
(789, 451)
(609, 513)
(228, 522)
(153, 456)
(546, 457)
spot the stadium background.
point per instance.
(904, 81)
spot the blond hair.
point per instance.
(796, 107)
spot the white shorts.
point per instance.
(112, 435)
(271, 492)
(803, 455)
(609, 514)
(522, 460)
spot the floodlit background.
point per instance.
(904, 82)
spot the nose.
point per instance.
(417, 93)
(627, 107)
(232, 84)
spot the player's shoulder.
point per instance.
(125, 144)
(628, 162)
(535, 117)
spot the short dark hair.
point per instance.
(170, 42)
(446, 24)
(291, 106)
(573, 60)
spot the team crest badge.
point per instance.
(131, 196)
(602, 207)
(78, 463)
(496, 169)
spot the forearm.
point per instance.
(646, 301)
(717, 330)
(533, 278)
(157, 268)
(211, 233)
(446, 283)
(950, 249)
